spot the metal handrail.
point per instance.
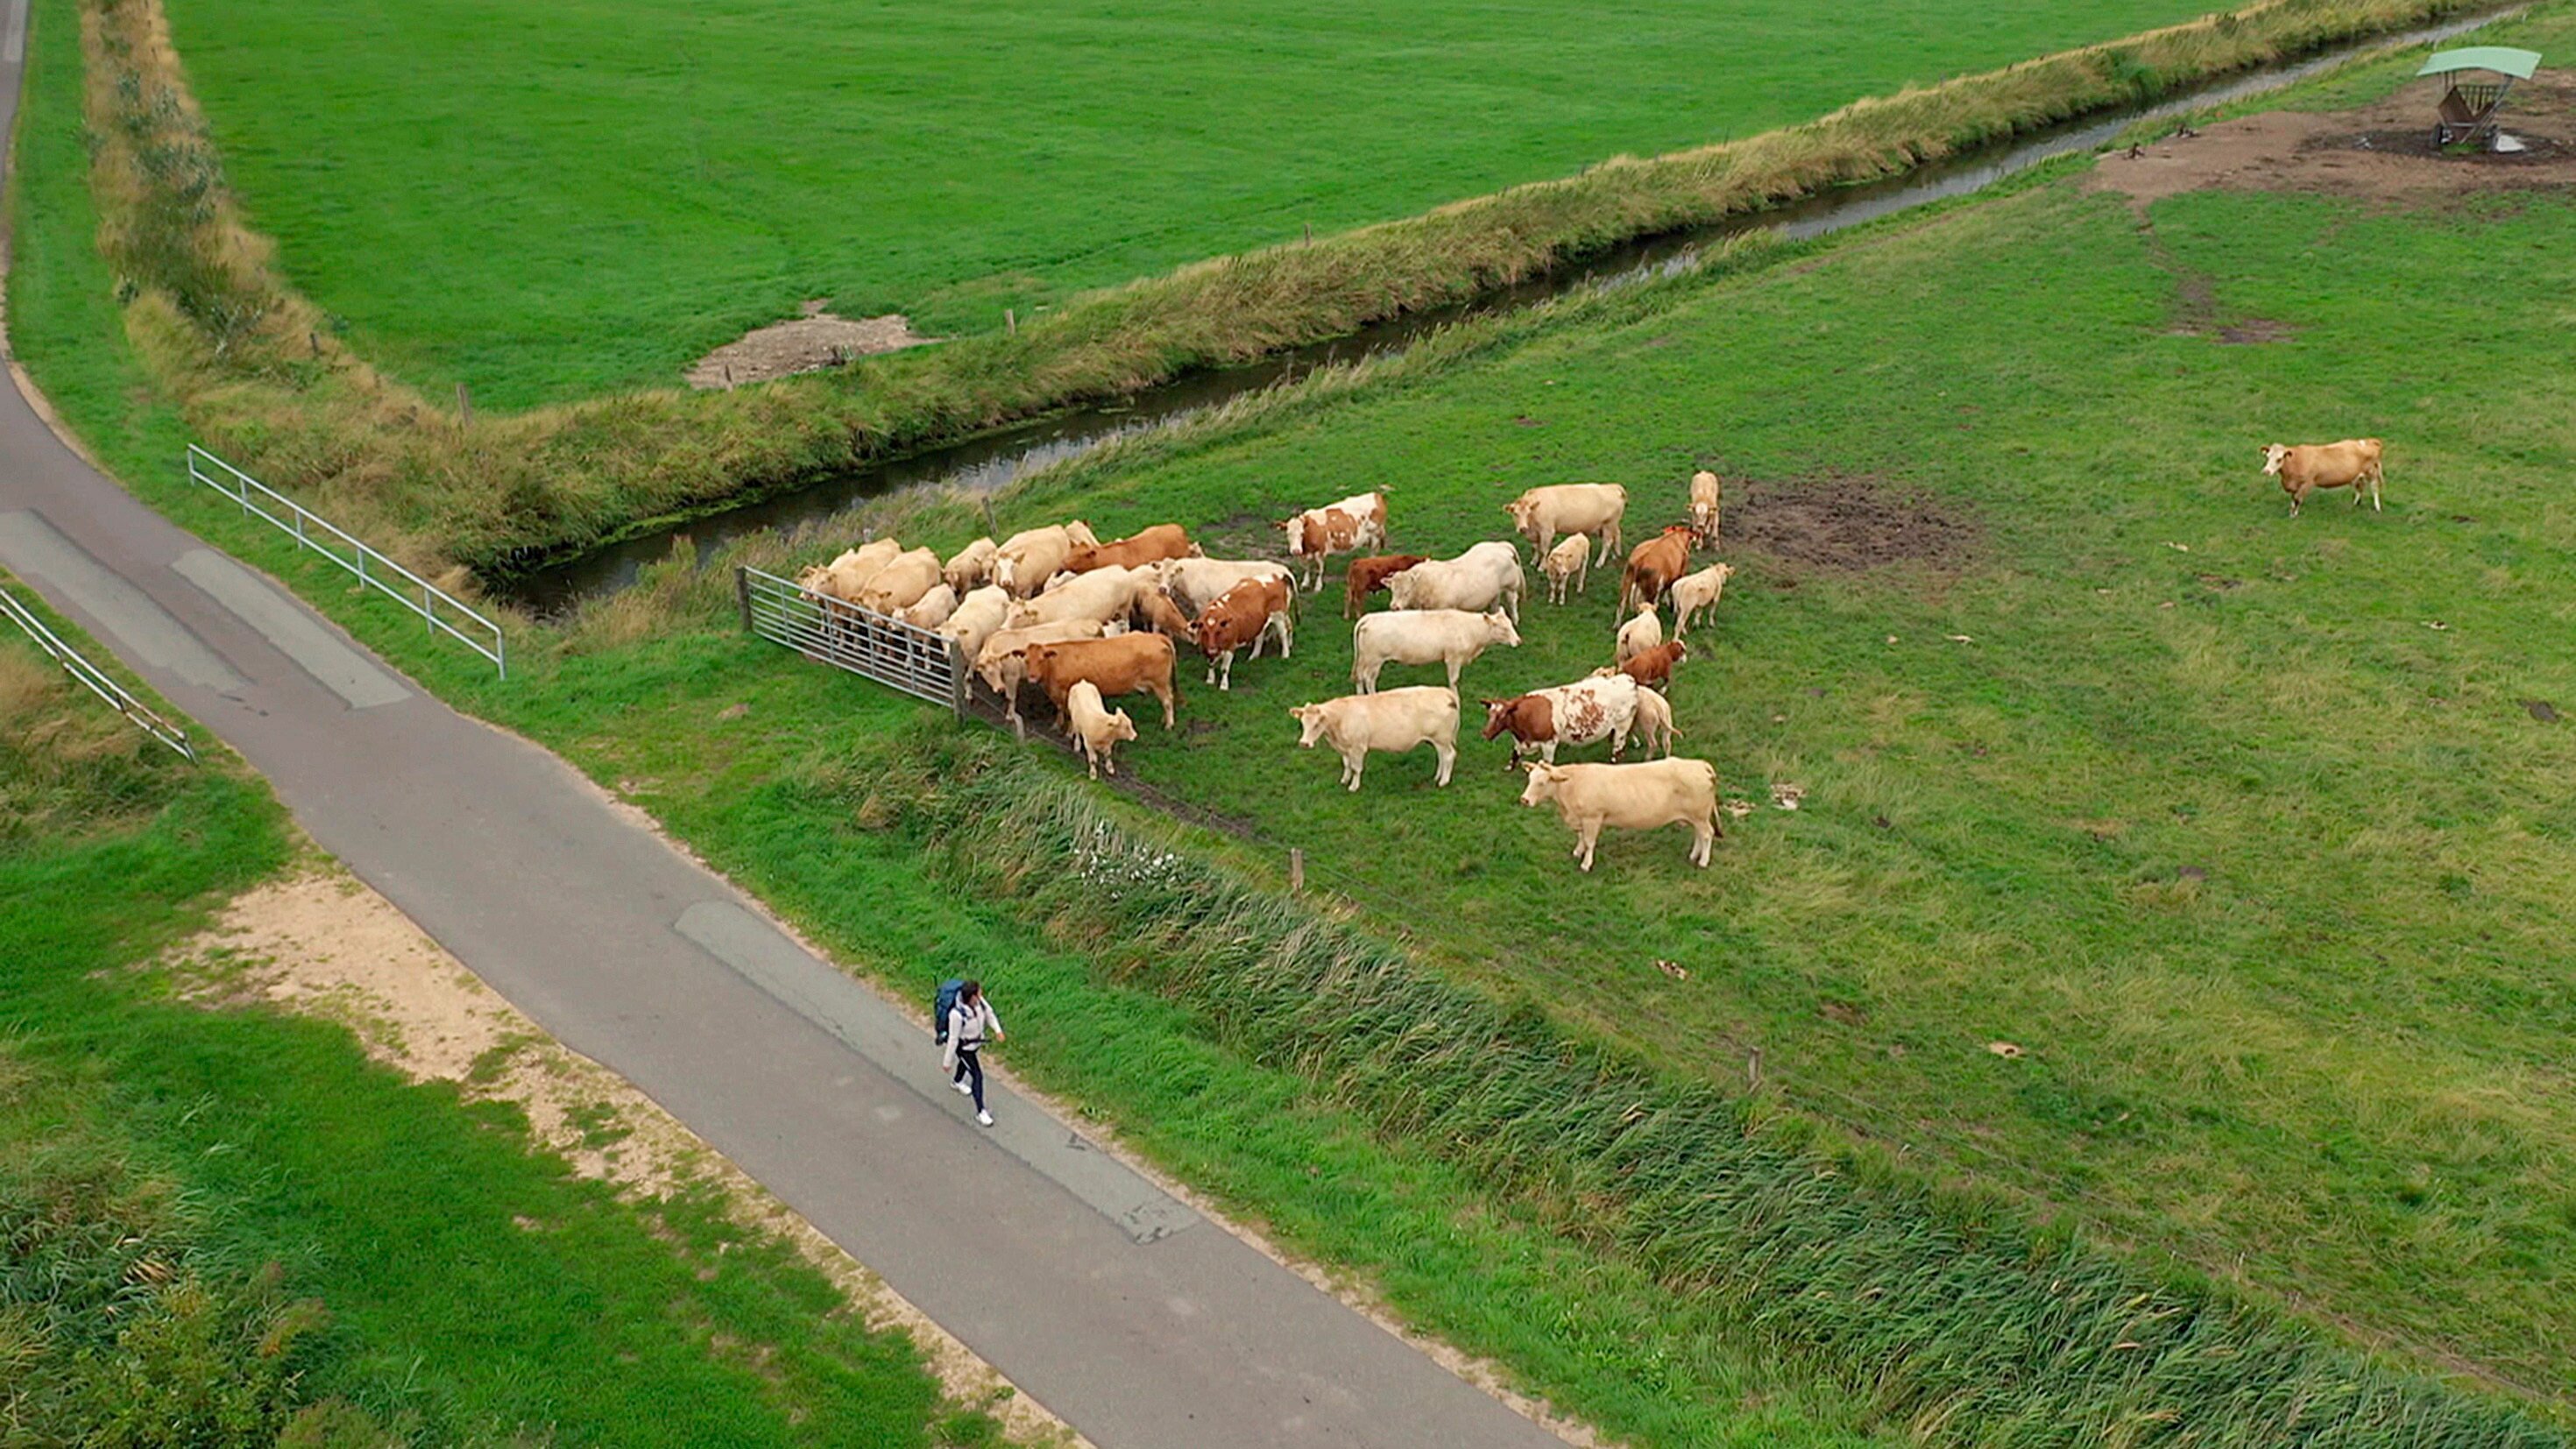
(372, 568)
(78, 667)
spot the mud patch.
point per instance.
(2380, 153)
(807, 343)
(1846, 523)
(325, 945)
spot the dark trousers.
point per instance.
(967, 1066)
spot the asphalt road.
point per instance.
(1102, 1297)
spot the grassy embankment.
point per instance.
(550, 205)
(220, 1226)
(258, 370)
(758, 792)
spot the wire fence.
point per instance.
(444, 612)
(92, 678)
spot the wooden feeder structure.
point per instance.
(2480, 76)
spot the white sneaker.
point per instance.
(963, 1090)
(984, 1117)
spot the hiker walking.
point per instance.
(971, 1023)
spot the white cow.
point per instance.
(1096, 728)
(1569, 561)
(977, 616)
(933, 608)
(1589, 508)
(1693, 592)
(1704, 490)
(1642, 796)
(843, 577)
(1484, 577)
(1424, 636)
(901, 583)
(1027, 559)
(1393, 722)
(1639, 634)
(1195, 583)
(1102, 595)
(971, 567)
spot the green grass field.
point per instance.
(217, 1223)
(548, 204)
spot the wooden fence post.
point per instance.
(464, 406)
(1296, 869)
(742, 594)
(1011, 320)
(957, 678)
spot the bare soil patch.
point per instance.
(2381, 153)
(1845, 523)
(807, 343)
(325, 945)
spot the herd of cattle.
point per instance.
(1085, 622)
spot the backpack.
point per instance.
(939, 1008)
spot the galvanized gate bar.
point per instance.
(97, 682)
(898, 655)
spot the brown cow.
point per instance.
(2313, 467)
(1367, 575)
(1249, 612)
(1146, 546)
(1155, 610)
(1653, 668)
(1652, 567)
(1126, 664)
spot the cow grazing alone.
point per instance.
(1251, 611)
(1105, 595)
(1127, 664)
(1654, 725)
(977, 616)
(1652, 567)
(1693, 592)
(1582, 713)
(1637, 635)
(1391, 722)
(1652, 668)
(1570, 561)
(1424, 636)
(844, 576)
(932, 609)
(1195, 583)
(1366, 576)
(1003, 661)
(901, 583)
(1704, 491)
(971, 567)
(1355, 523)
(1024, 562)
(1484, 577)
(1146, 546)
(1096, 728)
(1642, 796)
(2313, 467)
(1593, 509)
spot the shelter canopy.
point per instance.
(2502, 59)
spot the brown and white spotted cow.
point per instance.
(1357, 522)
(1603, 707)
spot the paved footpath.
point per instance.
(1108, 1301)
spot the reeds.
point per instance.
(1962, 1325)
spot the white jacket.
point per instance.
(970, 1026)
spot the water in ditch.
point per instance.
(994, 459)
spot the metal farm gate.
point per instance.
(886, 649)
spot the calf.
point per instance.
(1155, 610)
(1484, 577)
(1653, 668)
(1366, 576)
(1540, 514)
(1097, 729)
(1704, 490)
(1355, 523)
(1640, 796)
(1582, 713)
(1640, 633)
(1570, 560)
(1393, 722)
(1250, 612)
(1693, 592)
(1424, 636)
(1654, 723)
(971, 568)
(1146, 546)
(1127, 664)
(1003, 661)
(2313, 467)
(1652, 567)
